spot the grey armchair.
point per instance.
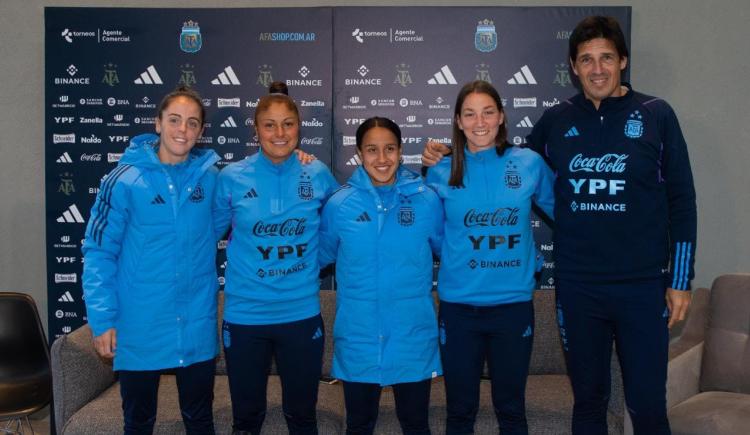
(708, 387)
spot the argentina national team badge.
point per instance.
(190, 38)
(305, 190)
(406, 216)
(512, 176)
(305, 187)
(485, 39)
(198, 194)
(634, 125)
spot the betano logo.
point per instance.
(443, 77)
(226, 77)
(149, 77)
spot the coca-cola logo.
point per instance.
(96, 157)
(492, 218)
(312, 141)
(614, 163)
(290, 227)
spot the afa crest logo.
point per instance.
(406, 216)
(634, 125)
(198, 194)
(485, 39)
(191, 40)
(512, 176)
(305, 187)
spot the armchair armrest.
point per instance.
(686, 352)
(79, 375)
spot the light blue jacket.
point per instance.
(149, 269)
(385, 331)
(274, 210)
(488, 254)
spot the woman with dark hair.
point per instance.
(271, 305)
(382, 228)
(149, 275)
(488, 260)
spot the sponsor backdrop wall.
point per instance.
(107, 69)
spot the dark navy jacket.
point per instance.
(624, 196)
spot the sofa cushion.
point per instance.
(549, 404)
(104, 414)
(546, 356)
(726, 357)
(716, 413)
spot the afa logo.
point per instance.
(406, 216)
(634, 125)
(485, 39)
(198, 194)
(305, 187)
(190, 39)
(512, 176)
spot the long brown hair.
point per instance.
(458, 164)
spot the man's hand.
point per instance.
(678, 302)
(433, 153)
(304, 157)
(106, 344)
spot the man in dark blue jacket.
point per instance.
(625, 228)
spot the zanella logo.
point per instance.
(614, 163)
(290, 227)
(492, 218)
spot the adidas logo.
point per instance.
(528, 332)
(64, 158)
(573, 132)
(354, 161)
(227, 77)
(66, 297)
(149, 77)
(523, 77)
(158, 200)
(443, 77)
(525, 122)
(364, 217)
(251, 194)
(71, 216)
(318, 334)
(229, 122)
